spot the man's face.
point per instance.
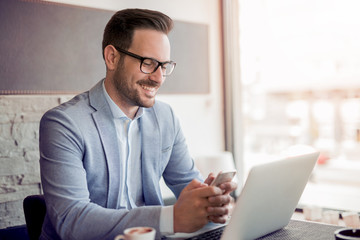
(135, 88)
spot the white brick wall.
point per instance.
(19, 151)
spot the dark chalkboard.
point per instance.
(56, 48)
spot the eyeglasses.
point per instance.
(150, 65)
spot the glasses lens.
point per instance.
(148, 65)
(168, 68)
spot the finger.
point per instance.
(218, 219)
(219, 200)
(209, 191)
(217, 211)
(210, 178)
(194, 184)
(228, 187)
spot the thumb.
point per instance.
(194, 184)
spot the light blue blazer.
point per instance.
(80, 168)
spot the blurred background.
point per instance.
(300, 78)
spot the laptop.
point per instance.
(267, 201)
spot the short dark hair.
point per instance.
(120, 29)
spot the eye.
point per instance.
(149, 62)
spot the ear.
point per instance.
(111, 57)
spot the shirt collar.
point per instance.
(116, 111)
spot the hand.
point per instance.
(220, 213)
(222, 205)
(228, 187)
(190, 210)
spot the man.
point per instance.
(103, 153)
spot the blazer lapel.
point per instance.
(107, 132)
(151, 157)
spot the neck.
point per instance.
(128, 109)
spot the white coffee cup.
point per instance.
(137, 233)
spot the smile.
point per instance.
(148, 88)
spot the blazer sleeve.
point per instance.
(64, 181)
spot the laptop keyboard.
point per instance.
(212, 234)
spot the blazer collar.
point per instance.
(96, 96)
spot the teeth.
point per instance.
(148, 88)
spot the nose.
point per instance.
(157, 76)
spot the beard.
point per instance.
(127, 89)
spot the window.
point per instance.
(300, 77)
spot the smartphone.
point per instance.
(222, 177)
